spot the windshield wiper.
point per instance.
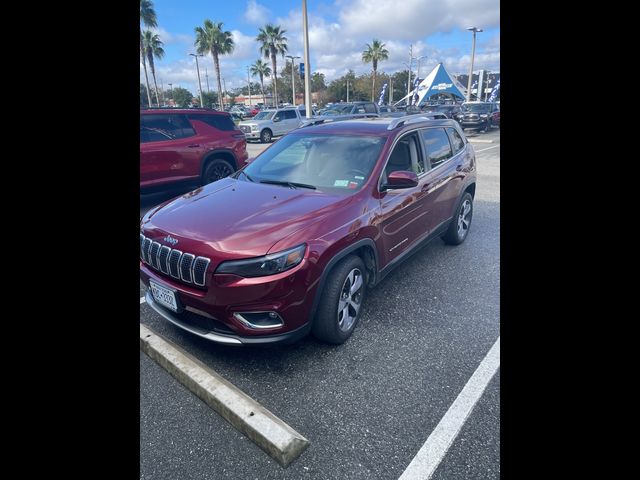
(246, 175)
(288, 184)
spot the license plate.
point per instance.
(164, 296)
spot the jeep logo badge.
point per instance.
(170, 239)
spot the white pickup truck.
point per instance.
(272, 123)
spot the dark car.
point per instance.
(292, 243)
(188, 146)
(450, 110)
(480, 115)
(351, 107)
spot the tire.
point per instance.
(333, 324)
(266, 135)
(215, 170)
(461, 222)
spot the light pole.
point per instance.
(199, 84)
(419, 58)
(170, 92)
(293, 83)
(409, 78)
(249, 82)
(224, 93)
(307, 66)
(347, 90)
(473, 52)
(206, 75)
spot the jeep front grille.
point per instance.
(179, 265)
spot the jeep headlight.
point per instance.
(263, 266)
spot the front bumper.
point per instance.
(226, 338)
(473, 123)
(289, 294)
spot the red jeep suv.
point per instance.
(188, 146)
(291, 243)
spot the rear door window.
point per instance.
(219, 122)
(456, 140)
(173, 126)
(436, 143)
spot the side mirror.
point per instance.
(400, 179)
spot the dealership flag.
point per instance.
(416, 83)
(384, 89)
(494, 92)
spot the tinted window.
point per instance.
(437, 145)
(289, 114)
(220, 122)
(370, 108)
(150, 135)
(359, 109)
(174, 126)
(456, 140)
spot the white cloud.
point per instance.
(256, 14)
(336, 46)
(168, 38)
(412, 19)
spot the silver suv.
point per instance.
(272, 123)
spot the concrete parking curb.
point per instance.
(262, 427)
(473, 140)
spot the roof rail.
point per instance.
(315, 121)
(400, 121)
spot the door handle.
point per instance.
(195, 145)
(459, 168)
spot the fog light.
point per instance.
(258, 320)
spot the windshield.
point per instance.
(264, 115)
(333, 163)
(476, 107)
(338, 109)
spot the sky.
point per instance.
(338, 33)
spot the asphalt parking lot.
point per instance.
(368, 405)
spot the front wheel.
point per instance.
(216, 170)
(340, 305)
(459, 227)
(265, 135)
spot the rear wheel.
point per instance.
(341, 301)
(266, 135)
(459, 227)
(215, 170)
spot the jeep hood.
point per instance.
(241, 218)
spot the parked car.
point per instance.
(352, 107)
(480, 115)
(188, 146)
(272, 123)
(292, 243)
(450, 110)
(386, 109)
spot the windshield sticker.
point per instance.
(341, 183)
(358, 177)
(353, 185)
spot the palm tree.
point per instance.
(262, 70)
(153, 49)
(374, 53)
(273, 42)
(211, 39)
(149, 19)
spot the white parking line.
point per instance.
(488, 148)
(435, 448)
(142, 300)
